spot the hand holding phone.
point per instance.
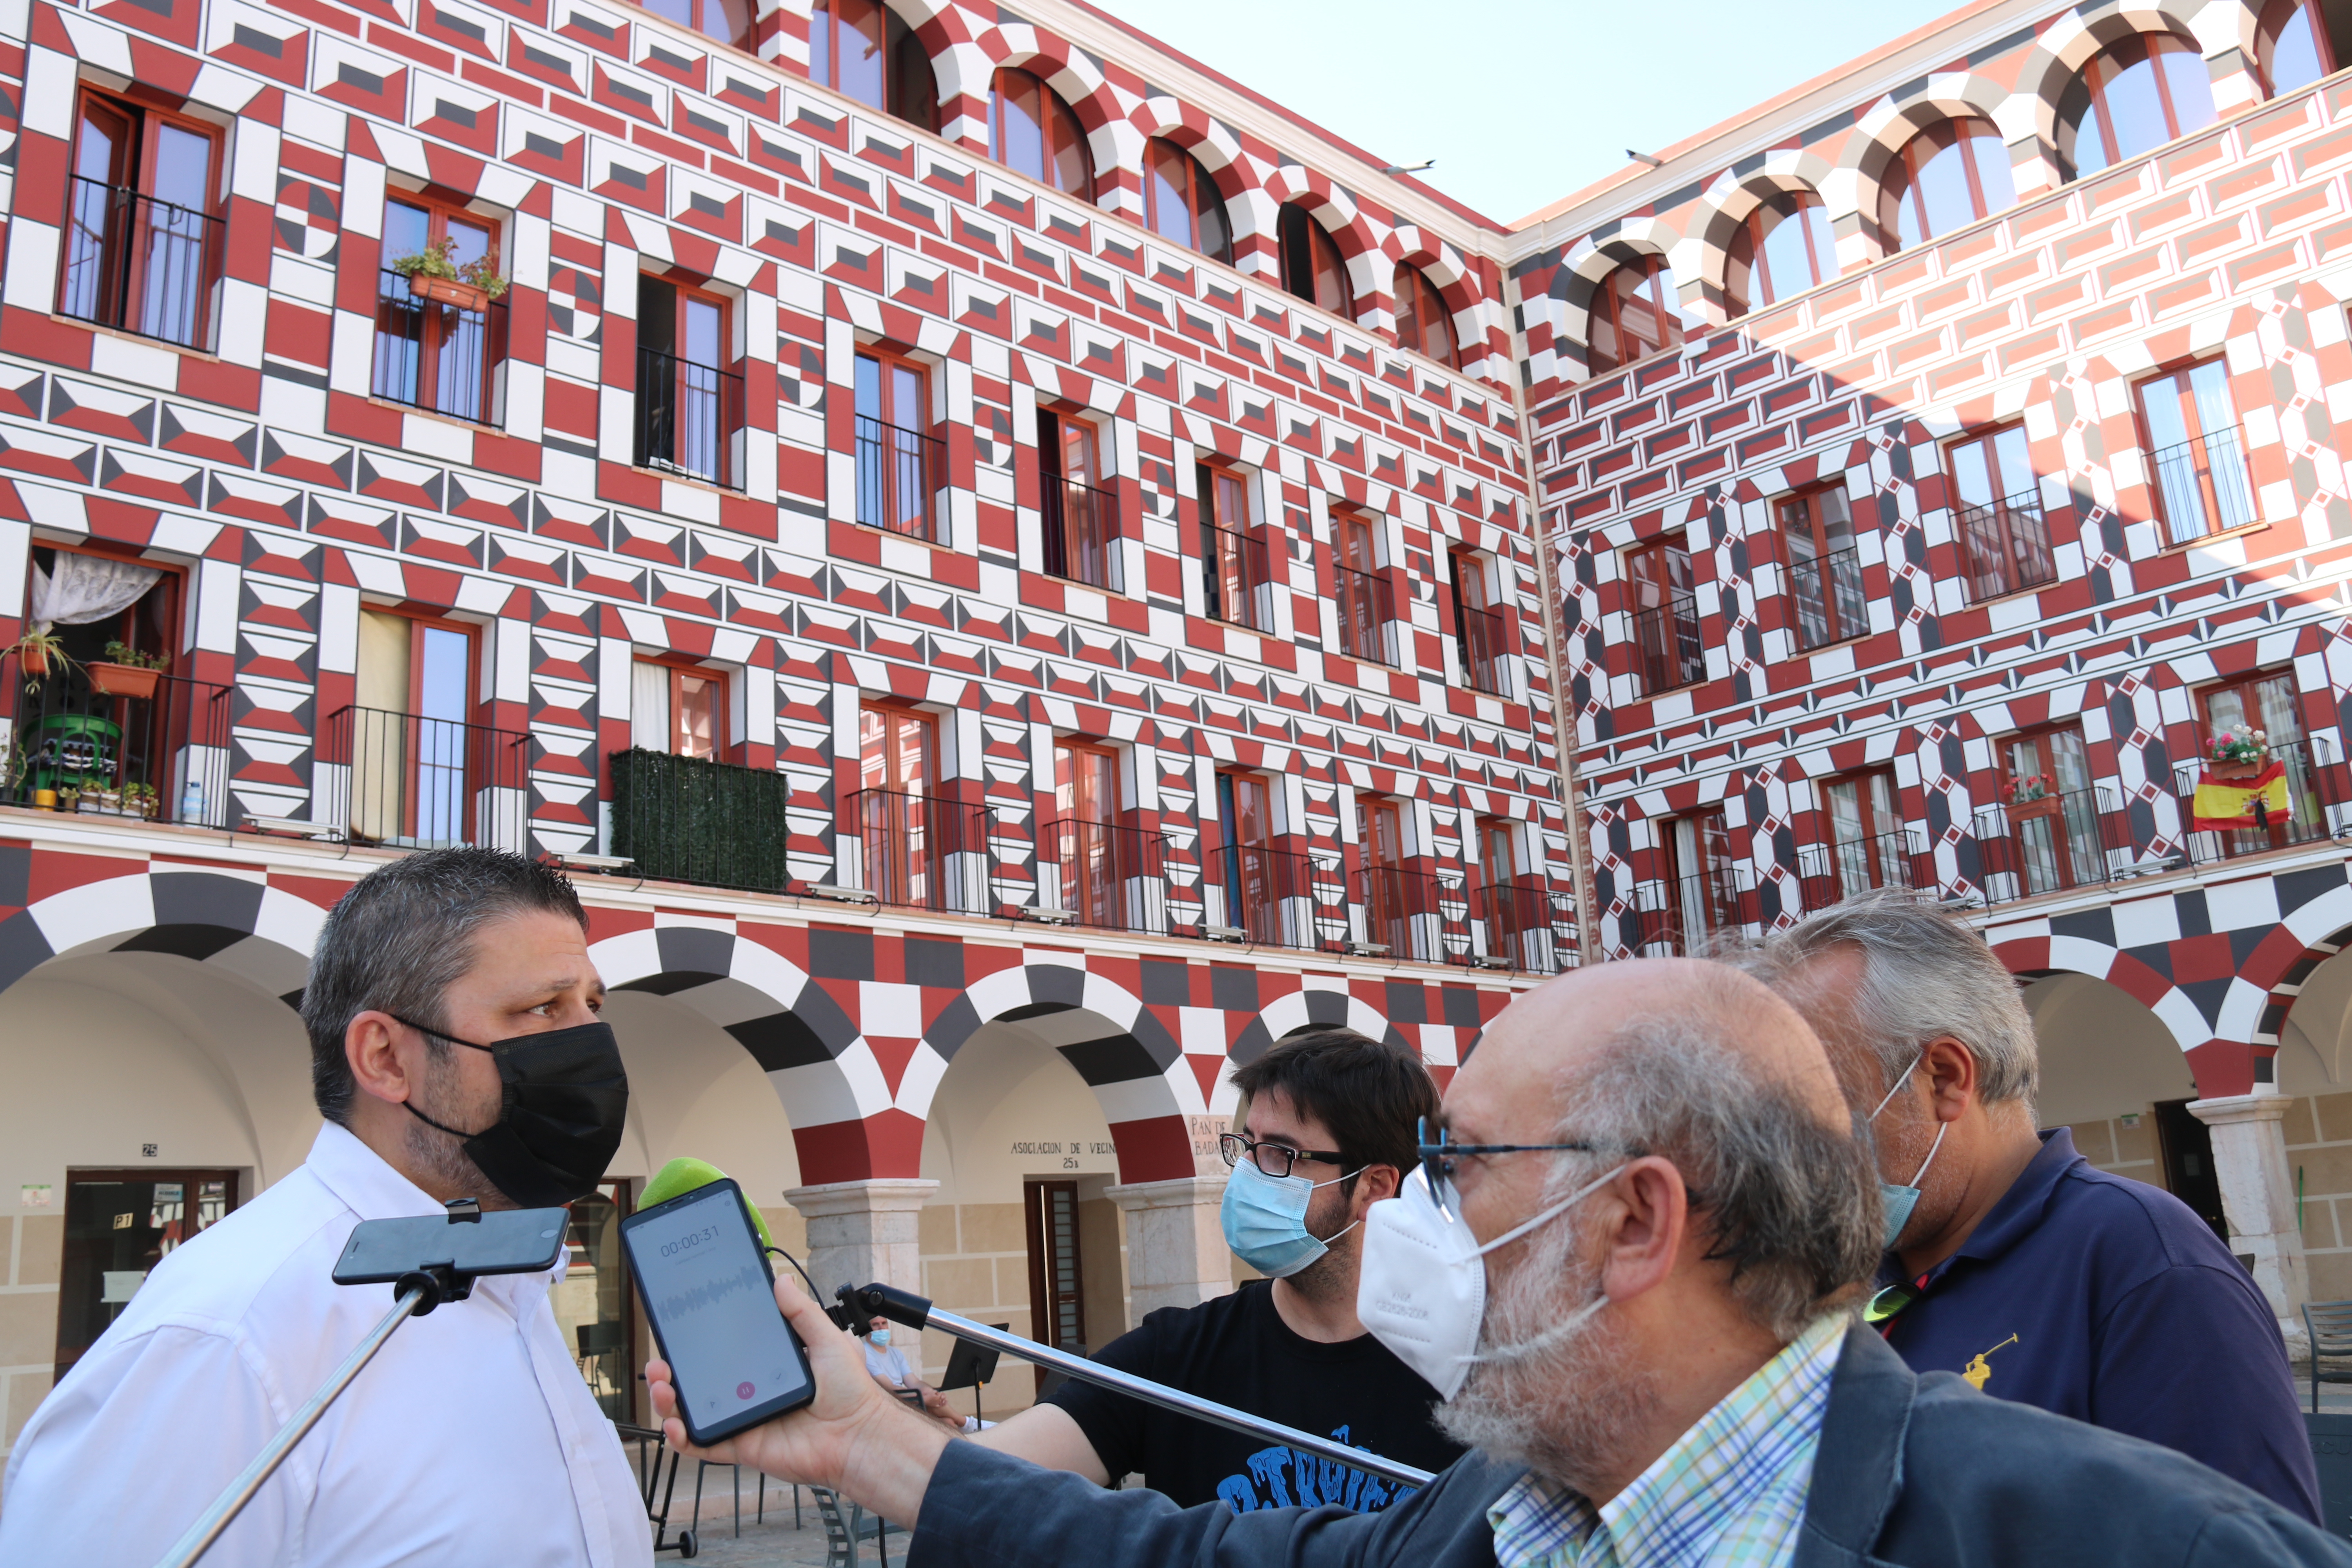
(712, 1298)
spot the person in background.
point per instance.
(1327, 1130)
(2010, 1258)
(887, 1364)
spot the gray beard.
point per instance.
(438, 1154)
(1563, 1410)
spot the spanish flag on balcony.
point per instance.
(2223, 805)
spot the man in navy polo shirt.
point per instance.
(2010, 1260)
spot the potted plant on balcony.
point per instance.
(432, 273)
(99, 800)
(37, 650)
(141, 799)
(66, 796)
(2031, 795)
(2239, 751)
(127, 672)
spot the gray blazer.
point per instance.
(1924, 1472)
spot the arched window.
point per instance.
(729, 21)
(1181, 201)
(864, 50)
(1945, 178)
(1423, 324)
(1636, 312)
(1311, 267)
(2138, 95)
(1032, 131)
(1784, 249)
(2291, 47)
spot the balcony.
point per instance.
(1827, 593)
(1104, 875)
(1080, 524)
(1525, 925)
(694, 819)
(922, 851)
(1666, 651)
(408, 782)
(2201, 486)
(162, 757)
(2318, 805)
(2005, 547)
(1275, 898)
(139, 265)
(689, 418)
(2076, 839)
(1234, 578)
(1829, 872)
(1365, 610)
(898, 472)
(434, 355)
(1414, 914)
(1483, 650)
(1675, 917)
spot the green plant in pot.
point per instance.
(434, 273)
(127, 672)
(37, 650)
(141, 798)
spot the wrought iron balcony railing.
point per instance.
(2316, 803)
(1414, 914)
(156, 749)
(1275, 898)
(1677, 915)
(1829, 872)
(1105, 875)
(900, 472)
(689, 418)
(139, 265)
(1365, 609)
(2005, 547)
(2201, 486)
(922, 851)
(1827, 593)
(2077, 839)
(431, 354)
(416, 782)
(1666, 649)
(1081, 527)
(1234, 578)
(1525, 924)
(1483, 650)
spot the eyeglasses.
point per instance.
(1437, 1158)
(1273, 1159)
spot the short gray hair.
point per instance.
(1924, 975)
(402, 937)
(1791, 1204)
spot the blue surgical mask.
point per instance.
(879, 1337)
(1898, 1202)
(1264, 1220)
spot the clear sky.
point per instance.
(1520, 101)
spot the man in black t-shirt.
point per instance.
(1329, 1125)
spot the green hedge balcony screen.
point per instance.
(688, 819)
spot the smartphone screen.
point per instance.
(706, 1286)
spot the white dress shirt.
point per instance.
(470, 1439)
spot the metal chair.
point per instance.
(735, 1477)
(2330, 1325)
(842, 1533)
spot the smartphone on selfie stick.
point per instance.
(712, 1298)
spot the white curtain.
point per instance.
(650, 706)
(86, 588)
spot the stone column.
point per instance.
(861, 1231)
(1176, 1254)
(2250, 1159)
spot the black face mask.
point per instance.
(566, 1096)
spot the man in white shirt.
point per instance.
(471, 1438)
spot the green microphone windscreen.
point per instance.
(681, 1176)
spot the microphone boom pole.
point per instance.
(915, 1312)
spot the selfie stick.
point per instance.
(419, 1290)
(916, 1312)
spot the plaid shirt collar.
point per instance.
(1730, 1491)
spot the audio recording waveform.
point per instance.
(695, 1298)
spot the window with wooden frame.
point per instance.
(905, 830)
(2196, 451)
(1057, 1293)
(1254, 876)
(1478, 623)
(142, 250)
(1781, 249)
(729, 21)
(418, 763)
(1387, 898)
(1232, 556)
(110, 713)
(1946, 178)
(1077, 511)
(1997, 513)
(1032, 131)
(1825, 566)
(901, 463)
(1181, 204)
(1868, 844)
(1312, 269)
(2052, 811)
(2291, 48)
(1636, 311)
(864, 49)
(677, 707)
(1512, 909)
(2133, 97)
(690, 405)
(1701, 891)
(1363, 601)
(1424, 324)
(1096, 855)
(1666, 648)
(437, 341)
(2268, 704)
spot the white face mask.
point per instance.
(1421, 1289)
